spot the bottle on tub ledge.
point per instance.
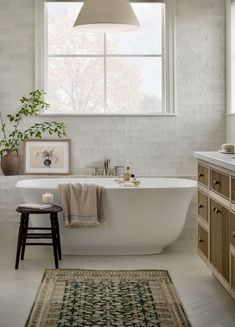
(128, 179)
(127, 175)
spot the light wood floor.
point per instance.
(205, 301)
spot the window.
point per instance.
(93, 73)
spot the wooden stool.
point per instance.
(24, 235)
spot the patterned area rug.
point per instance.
(84, 298)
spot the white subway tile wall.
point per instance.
(161, 146)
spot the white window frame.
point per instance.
(229, 110)
(169, 99)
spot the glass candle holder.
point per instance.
(47, 198)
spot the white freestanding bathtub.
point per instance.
(139, 220)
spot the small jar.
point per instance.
(47, 198)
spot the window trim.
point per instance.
(168, 54)
(230, 102)
(229, 111)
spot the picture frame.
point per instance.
(47, 157)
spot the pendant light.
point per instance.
(106, 16)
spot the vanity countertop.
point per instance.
(217, 158)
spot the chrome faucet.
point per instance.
(116, 170)
(106, 167)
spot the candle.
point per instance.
(47, 197)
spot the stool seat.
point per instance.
(23, 234)
(53, 209)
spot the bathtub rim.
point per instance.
(186, 183)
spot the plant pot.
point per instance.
(10, 163)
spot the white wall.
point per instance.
(151, 145)
(230, 138)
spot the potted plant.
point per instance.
(13, 135)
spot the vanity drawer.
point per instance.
(203, 173)
(232, 228)
(233, 189)
(203, 205)
(220, 183)
(203, 240)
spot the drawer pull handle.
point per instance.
(216, 210)
(216, 182)
(200, 206)
(233, 234)
(200, 240)
(200, 175)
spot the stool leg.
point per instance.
(53, 232)
(58, 236)
(19, 242)
(24, 238)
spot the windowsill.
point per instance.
(230, 114)
(108, 115)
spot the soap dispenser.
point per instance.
(127, 174)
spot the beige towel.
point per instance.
(82, 204)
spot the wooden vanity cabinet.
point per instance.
(216, 222)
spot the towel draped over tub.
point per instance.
(82, 204)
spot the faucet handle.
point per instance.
(95, 170)
(116, 170)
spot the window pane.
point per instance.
(76, 85)
(147, 39)
(63, 38)
(134, 85)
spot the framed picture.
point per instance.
(47, 157)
